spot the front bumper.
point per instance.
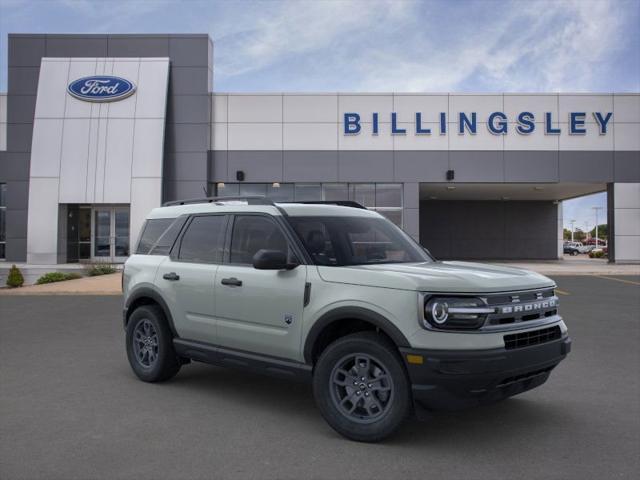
(453, 379)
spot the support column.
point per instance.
(623, 205)
(410, 210)
(560, 236)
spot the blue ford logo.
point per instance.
(103, 88)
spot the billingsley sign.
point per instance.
(497, 123)
(101, 88)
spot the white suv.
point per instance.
(337, 295)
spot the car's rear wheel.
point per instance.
(150, 345)
(361, 387)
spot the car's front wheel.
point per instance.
(150, 345)
(361, 387)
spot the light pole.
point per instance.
(596, 210)
(572, 222)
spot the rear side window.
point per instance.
(203, 241)
(152, 231)
(168, 238)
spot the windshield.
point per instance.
(343, 241)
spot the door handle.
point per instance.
(173, 276)
(232, 282)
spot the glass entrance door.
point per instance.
(110, 234)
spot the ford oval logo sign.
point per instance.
(101, 88)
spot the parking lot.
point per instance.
(70, 407)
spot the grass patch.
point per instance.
(53, 277)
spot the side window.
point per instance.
(151, 233)
(203, 242)
(252, 233)
(167, 239)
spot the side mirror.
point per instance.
(272, 260)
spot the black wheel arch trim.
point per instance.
(147, 292)
(352, 313)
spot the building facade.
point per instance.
(95, 130)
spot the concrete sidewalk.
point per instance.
(99, 285)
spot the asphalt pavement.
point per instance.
(70, 407)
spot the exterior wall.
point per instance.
(94, 153)
(3, 121)
(489, 230)
(186, 137)
(624, 222)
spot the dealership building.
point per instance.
(96, 130)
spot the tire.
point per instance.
(150, 345)
(574, 253)
(382, 404)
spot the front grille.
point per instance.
(521, 307)
(534, 337)
(524, 377)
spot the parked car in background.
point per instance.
(571, 249)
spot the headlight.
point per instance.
(455, 313)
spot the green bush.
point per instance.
(100, 269)
(597, 254)
(15, 278)
(52, 277)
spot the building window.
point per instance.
(384, 198)
(3, 216)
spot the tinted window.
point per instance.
(203, 240)
(151, 233)
(253, 233)
(341, 241)
(168, 238)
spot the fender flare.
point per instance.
(357, 313)
(146, 292)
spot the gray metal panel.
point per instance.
(365, 166)
(626, 166)
(489, 230)
(16, 249)
(138, 46)
(19, 137)
(16, 223)
(76, 46)
(23, 81)
(188, 80)
(586, 166)
(185, 166)
(188, 109)
(531, 166)
(26, 50)
(183, 190)
(16, 167)
(22, 108)
(258, 166)
(411, 221)
(17, 194)
(411, 195)
(477, 166)
(426, 166)
(187, 137)
(218, 163)
(189, 51)
(310, 166)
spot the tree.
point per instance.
(603, 231)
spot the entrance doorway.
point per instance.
(110, 234)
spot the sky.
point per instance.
(377, 45)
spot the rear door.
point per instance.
(187, 277)
(259, 310)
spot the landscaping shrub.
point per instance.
(596, 254)
(100, 269)
(15, 278)
(52, 277)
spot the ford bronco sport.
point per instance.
(340, 296)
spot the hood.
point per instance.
(459, 277)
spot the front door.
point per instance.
(259, 310)
(110, 227)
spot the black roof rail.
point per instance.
(341, 203)
(251, 200)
